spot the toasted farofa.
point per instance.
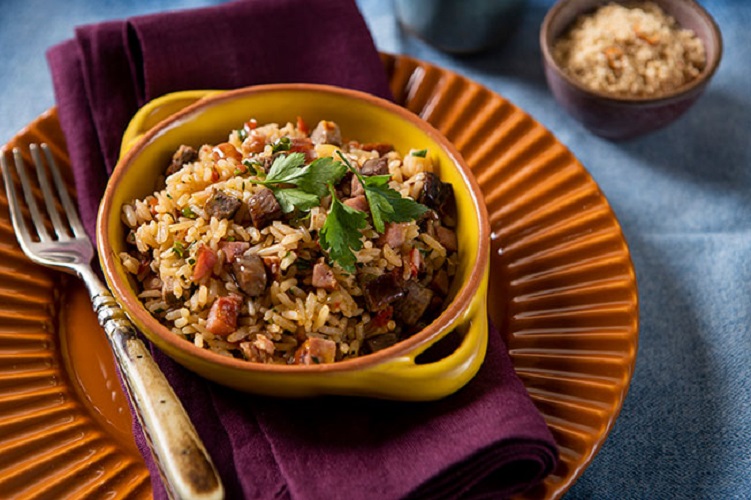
(188, 274)
(630, 50)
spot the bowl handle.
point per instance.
(405, 378)
(157, 110)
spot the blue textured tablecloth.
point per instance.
(682, 195)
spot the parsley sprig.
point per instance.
(309, 181)
(340, 235)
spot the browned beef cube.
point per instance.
(439, 196)
(184, 154)
(264, 208)
(382, 291)
(326, 133)
(375, 166)
(411, 308)
(222, 206)
(250, 274)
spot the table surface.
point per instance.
(682, 195)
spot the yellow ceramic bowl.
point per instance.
(205, 117)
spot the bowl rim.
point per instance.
(451, 315)
(693, 86)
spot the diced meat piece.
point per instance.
(168, 294)
(273, 265)
(305, 146)
(355, 187)
(302, 126)
(323, 277)
(382, 291)
(264, 208)
(447, 238)
(226, 150)
(222, 206)
(250, 274)
(394, 235)
(440, 283)
(205, 260)
(358, 203)
(382, 317)
(380, 342)
(375, 166)
(315, 351)
(254, 143)
(184, 154)
(233, 249)
(411, 308)
(260, 350)
(381, 147)
(223, 314)
(327, 132)
(439, 196)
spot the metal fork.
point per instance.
(183, 461)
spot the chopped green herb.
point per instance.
(420, 154)
(169, 196)
(189, 213)
(191, 261)
(386, 204)
(230, 238)
(281, 144)
(238, 172)
(309, 180)
(158, 310)
(315, 360)
(340, 234)
(178, 248)
(242, 134)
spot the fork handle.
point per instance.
(183, 461)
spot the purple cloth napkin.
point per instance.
(488, 440)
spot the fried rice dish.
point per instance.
(288, 244)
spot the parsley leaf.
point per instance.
(420, 154)
(310, 180)
(291, 198)
(319, 174)
(386, 204)
(286, 168)
(340, 234)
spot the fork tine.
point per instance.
(62, 192)
(36, 216)
(49, 199)
(14, 207)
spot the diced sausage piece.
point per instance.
(264, 209)
(184, 154)
(233, 249)
(305, 146)
(439, 196)
(260, 350)
(205, 260)
(447, 238)
(358, 203)
(323, 277)
(223, 314)
(381, 147)
(380, 342)
(394, 235)
(254, 143)
(315, 351)
(356, 188)
(327, 133)
(440, 283)
(415, 262)
(375, 166)
(222, 206)
(250, 274)
(382, 291)
(226, 150)
(415, 303)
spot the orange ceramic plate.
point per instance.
(563, 294)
